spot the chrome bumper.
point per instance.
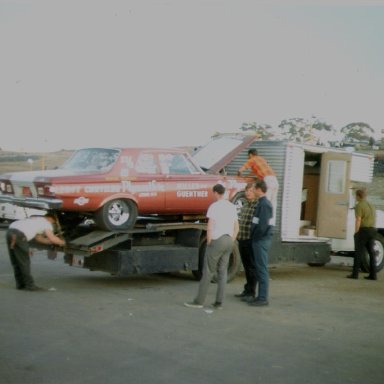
(32, 202)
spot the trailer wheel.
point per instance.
(239, 200)
(314, 264)
(233, 265)
(116, 214)
(378, 247)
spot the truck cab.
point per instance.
(345, 246)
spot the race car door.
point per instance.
(333, 201)
(149, 184)
(188, 190)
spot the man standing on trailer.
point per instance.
(263, 171)
(365, 232)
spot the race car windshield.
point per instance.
(92, 159)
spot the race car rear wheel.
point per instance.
(116, 215)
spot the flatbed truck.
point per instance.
(145, 249)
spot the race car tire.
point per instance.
(116, 215)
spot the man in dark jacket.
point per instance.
(261, 235)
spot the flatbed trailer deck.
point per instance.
(153, 248)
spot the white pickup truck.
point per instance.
(345, 247)
(11, 212)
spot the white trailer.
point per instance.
(315, 201)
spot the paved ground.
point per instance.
(94, 328)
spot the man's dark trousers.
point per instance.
(18, 248)
(246, 254)
(364, 241)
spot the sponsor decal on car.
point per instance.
(81, 201)
(188, 194)
(124, 186)
(152, 186)
(193, 186)
(148, 194)
(102, 188)
(63, 189)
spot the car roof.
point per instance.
(137, 149)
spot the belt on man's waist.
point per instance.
(225, 234)
(367, 228)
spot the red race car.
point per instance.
(115, 186)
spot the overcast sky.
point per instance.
(173, 72)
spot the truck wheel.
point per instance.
(116, 215)
(316, 264)
(378, 246)
(233, 265)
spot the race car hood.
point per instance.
(220, 151)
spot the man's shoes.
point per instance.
(248, 298)
(217, 305)
(352, 277)
(258, 303)
(242, 294)
(20, 287)
(193, 305)
(370, 278)
(34, 288)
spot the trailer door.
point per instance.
(333, 195)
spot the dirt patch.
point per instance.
(31, 161)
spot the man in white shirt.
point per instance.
(223, 227)
(39, 228)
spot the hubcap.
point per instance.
(379, 252)
(118, 213)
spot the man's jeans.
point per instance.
(260, 252)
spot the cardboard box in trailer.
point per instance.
(315, 199)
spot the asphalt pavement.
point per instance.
(90, 327)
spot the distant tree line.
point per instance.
(313, 131)
(18, 158)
